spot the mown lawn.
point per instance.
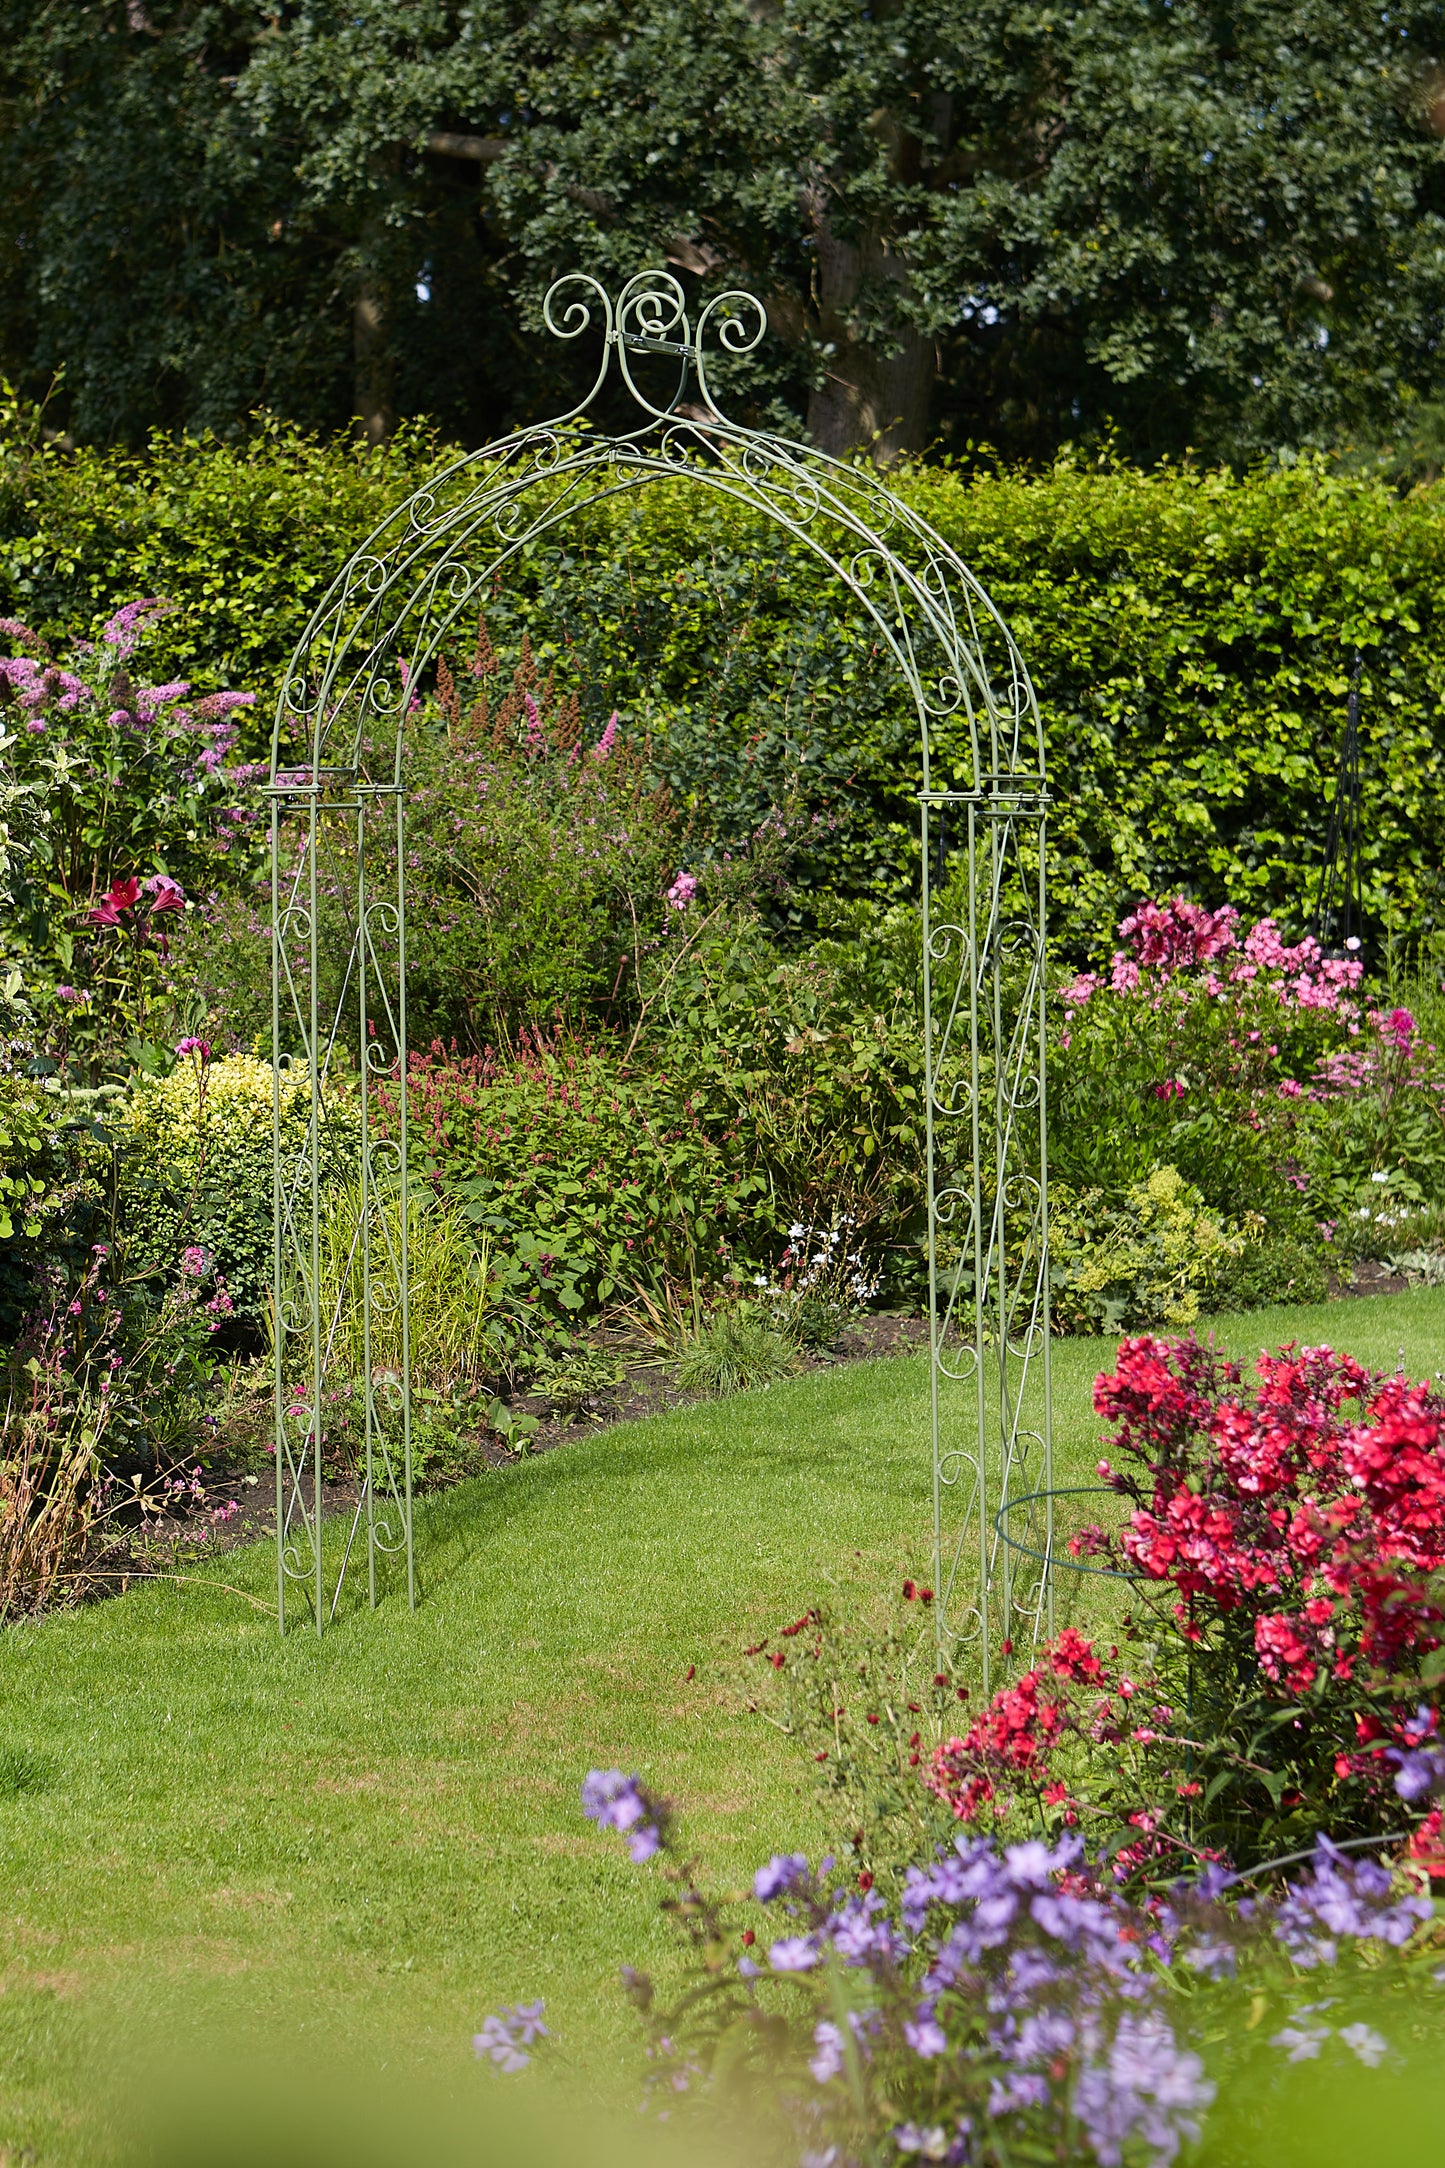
(369, 1841)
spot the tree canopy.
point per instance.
(1216, 224)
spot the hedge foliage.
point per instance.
(1190, 635)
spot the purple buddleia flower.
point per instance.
(123, 631)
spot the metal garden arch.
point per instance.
(983, 798)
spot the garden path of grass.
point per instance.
(376, 1835)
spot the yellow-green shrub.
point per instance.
(1145, 1262)
(196, 1165)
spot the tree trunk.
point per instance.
(375, 411)
(869, 399)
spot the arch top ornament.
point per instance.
(404, 600)
(650, 316)
(432, 558)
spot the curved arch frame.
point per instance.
(337, 755)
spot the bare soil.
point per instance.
(648, 1387)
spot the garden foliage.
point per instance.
(1190, 635)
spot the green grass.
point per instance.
(376, 1836)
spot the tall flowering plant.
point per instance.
(142, 805)
(1007, 2004)
(1288, 1539)
(1196, 1049)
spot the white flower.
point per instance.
(1366, 2043)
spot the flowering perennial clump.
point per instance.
(1297, 1530)
(1011, 2003)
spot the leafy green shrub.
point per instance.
(195, 1166)
(734, 1349)
(138, 804)
(1147, 1261)
(1190, 635)
(1270, 1268)
(585, 1181)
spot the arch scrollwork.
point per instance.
(337, 755)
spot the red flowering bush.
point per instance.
(1295, 1530)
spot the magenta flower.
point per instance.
(608, 738)
(123, 631)
(121, 898)
(682, 891)
(165, 894)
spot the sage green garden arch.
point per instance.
(427, 567)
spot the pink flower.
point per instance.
(124, 630)
(201, 1048)
(1078, 991)
(1398, 1028)
(682, 891)
(1288, 1088)
(165, 894)
(608, 738)
(121, 897)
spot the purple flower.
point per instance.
(784, 1871)
(1302, 2042)
(1020, 2089)
(69, 993)
(615, 1801)
(124, 630)
(928, 2139)
(925, 2035)
(1147, 2086)
(503, 2039)
(1366, 2043)
(794, 1953)
(828, 2060)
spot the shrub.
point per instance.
(1190, 635)
(1295, 1534)
(1198, 1051)
(586, 1181)
(139, 804)
(1147, 1261)
(102, 1383)
(195, 1159)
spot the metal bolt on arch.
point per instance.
(338, 780)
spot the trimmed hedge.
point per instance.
(1190, 636)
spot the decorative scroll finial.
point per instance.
(650, 316)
